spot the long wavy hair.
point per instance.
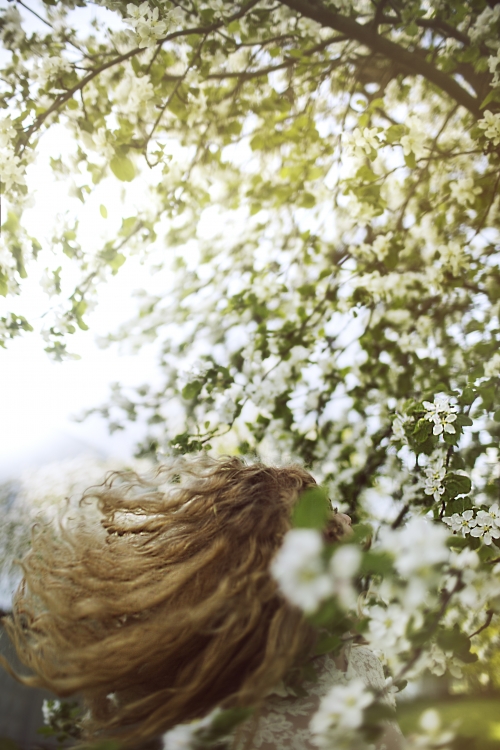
(160, 606)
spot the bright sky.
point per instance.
(40, 396)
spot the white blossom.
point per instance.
(341, 708)
(485, 24)
(49, 69)
(300, 571)
(398, 431)
(98, 141)
(467, 559)
(417, 547)
(494, 66)
(416, 139)
(453, 257)
(186, 736)
(49, 710)
(12, 172)
(492, 366)
(491, 126)
(181, 737)
(11, 33)
(435, 472)
(48, 283)
(344, 565)
(463, 190)
(442, 413)
(387, 625)
(461, 522)
(494, 513)
(432, 735)
(365, 140)
(486, 527)
(149, 28)
(133, 93)
(7, 132)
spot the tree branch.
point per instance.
(408, 61)
(121, 58)
(432, 23)
(289, 61)
(487, 622)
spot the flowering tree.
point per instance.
(344, 308)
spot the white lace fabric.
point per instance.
(283, 721)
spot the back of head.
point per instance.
(167, 602)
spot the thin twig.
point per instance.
(489, 617)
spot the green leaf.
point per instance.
(307, 200)
(422, 430)
(376, 563)
(12, 223)
(456, 484)
(117, 262)
(224, 722)
(410, 160)
(127, 225)
(192, 389)
(327, 643)
(459, 643)
(492, 96)
(312, 509)
(327, 614)
(122, 167)
(366, 174)
(3, 284)
(394, 133)
(103, 211)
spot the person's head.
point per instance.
(167, 603)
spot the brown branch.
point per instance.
(402, 513)
(289, 61)
(410, 62)
(122, 58)
(487, 623)
(431, 23)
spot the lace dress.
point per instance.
(283, 722)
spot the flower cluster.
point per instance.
(491, 126)
(304, 576)
(416, 547)
(435, 472)
(49, 69)
(416, 139)
(188, 736)
(485, 524)
(463, 191)
(485, 24)
(432, 735)
(50, 709)
(11, 31)
(148, 27)
(11, 170)
(363, 141)
(442, 413)
(418, 552)
(133, 94)
(494, 66)
(340, 715)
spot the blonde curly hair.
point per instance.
(166, 601)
